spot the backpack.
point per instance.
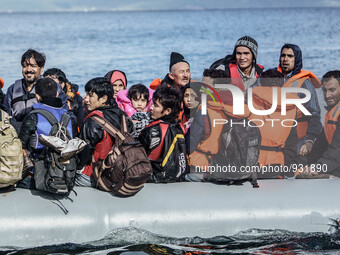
(11, 155)
(223, 61)
(52, 173)
(169, 159)
(239, 148)
(126, 167)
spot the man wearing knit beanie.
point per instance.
(179, 71)
(241, 66)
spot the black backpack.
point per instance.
(171, 163)
(238, 153)
(240, 148)
(51, 172)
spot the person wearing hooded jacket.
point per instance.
(290, 65)
(241, 66)
(118, 81)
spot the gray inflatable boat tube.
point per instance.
(31, 218)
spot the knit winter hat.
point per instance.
(1, 83)
(248, 42)
(176, 58)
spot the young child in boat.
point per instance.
(136, 103)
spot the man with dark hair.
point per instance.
(290, 65)
(214, 76)
(34, 124)
(326, 149)
(272, 78)
(99, 92)
(20, 96)
(157, 137)
(71, 90)
(179, 74)
(241, 66)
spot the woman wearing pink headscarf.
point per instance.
(118, 81)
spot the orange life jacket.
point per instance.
(155, 83)
(212, 144)
(235, 77)
(274, 135)
(331, 120)
(296, 81)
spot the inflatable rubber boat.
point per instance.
(32, 218)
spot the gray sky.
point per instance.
(81, 5)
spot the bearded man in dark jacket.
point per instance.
(290, 65)
(99, 91)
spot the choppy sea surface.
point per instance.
(89, 44)
(138, 241)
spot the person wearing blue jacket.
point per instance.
(34, 124)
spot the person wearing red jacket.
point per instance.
(99, 92)
(241, 66)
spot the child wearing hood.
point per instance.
(136, 103)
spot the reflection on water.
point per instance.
(138, 241)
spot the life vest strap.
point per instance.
(24, 97)
(271, 148)
(333, 122)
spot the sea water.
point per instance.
(138, 241)
(87, 45)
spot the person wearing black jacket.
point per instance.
(99, 91)
(34, 125)
(157, 137)
(179, 71)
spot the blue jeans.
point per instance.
(83, 180)
(27, 183)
